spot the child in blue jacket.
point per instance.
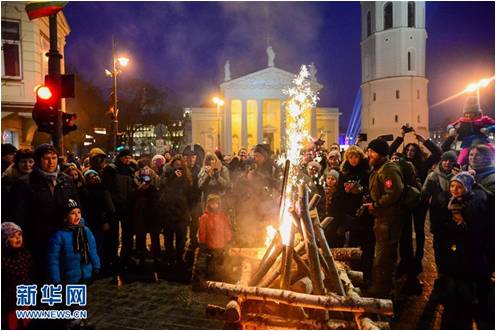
(72, 254)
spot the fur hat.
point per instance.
(42, 150)
(9, 229)
(472, 105)
(8, 149)
(96, 152)
(379, 146)
(449, 156)
(315, 164)
(465, 179)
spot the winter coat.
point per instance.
(215, 230)
(174, 193)
(37, 207)
(386, 187)
(195, 194)
(345, 204)
(97, 206)
(422, 167)
(118, 179)
(485, 178)
(435, 186)
(463, 250)
(16, 270)
(218, 184)
(9, 177)
(65, 264)
(146, 207)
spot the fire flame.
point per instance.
(301, 98)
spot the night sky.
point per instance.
(183, 46)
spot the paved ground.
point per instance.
(146, 304)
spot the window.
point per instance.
(409, 61)
(397, 94)
(418, 94)
(396, 118)
(418, 118)
(45, 47)
(411, 14)
(388, 15)
(369, 24)
(11, 49)
(374, 96)
(373, 120)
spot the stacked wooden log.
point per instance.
(300, 284)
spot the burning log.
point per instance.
(246, 270)
(310, 243)
(216, 312)
(265, 265)
(346, 254)
(336, 285)
(331, 301)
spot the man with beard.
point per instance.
(386, 187)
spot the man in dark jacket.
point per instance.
(118, 179)
(8, 154)
(195, 195)
(385, 186)
(38, 198)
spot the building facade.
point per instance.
(394, 86)
(254, 112)
(24, 66)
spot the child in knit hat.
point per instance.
(16, 270)
(72, 254)
(460, 185)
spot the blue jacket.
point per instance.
(67, 266)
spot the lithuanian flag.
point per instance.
(36, 9)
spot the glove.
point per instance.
(484, 131)
(451, 131)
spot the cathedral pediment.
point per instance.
(268, 78)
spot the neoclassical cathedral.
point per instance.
(394, 87)
(254, 112)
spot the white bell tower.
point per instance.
(394, 87)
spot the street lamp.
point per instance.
(219, 102)
(472, 87)
(117, 64)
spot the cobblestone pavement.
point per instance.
(421, 312)
(171, 305)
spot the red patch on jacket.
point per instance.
(388, 183)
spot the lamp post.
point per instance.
(219, 102)
(117, 64)
(475, 87)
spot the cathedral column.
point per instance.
(313, 122)
(244, 123)
(228, 128)
(283, 125)
(259, 121)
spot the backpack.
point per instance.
(410, 197)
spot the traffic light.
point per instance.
(45, 109)
(68, 124)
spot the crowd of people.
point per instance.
(66, 220)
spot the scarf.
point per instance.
(79, 240)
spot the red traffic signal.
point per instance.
(44, 93)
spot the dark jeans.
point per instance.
(195, 214)
(364, 238)
(410, 261)
(175, 232)
(127, 234)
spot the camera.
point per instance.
(145, 179)
(407, 128)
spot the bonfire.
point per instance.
(296, 281)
